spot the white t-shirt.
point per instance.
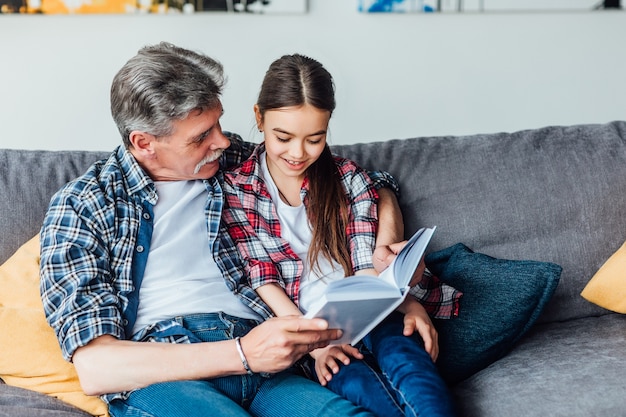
(296, 230)
(181, 276)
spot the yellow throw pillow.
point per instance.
(607, 288)
(30, 353)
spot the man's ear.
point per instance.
(259, 117)
(142, 143)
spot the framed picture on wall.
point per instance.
(151, 6)
(425, 6)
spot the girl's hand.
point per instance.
(416, 319)
(327, 360)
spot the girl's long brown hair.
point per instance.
(295, 80)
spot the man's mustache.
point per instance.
(208, 159)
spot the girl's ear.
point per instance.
(259, 117)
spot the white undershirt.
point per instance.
(296, 230)
(181, 276)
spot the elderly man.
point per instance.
(133, 252)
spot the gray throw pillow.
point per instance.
(501, 301)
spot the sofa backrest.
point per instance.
(554, 194)
(27, 181)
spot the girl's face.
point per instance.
(294, 138)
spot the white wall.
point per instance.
(397, 75)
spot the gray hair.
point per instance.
(161, 84)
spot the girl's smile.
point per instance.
(294, 139)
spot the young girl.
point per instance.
(302, 218)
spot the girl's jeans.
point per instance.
(397, 376)
(282, 394)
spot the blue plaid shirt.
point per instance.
(95, 242)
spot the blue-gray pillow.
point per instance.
(501, 301)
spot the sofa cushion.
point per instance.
(607, 288)
(501, 300)
(19, 402)
(566, 369)
(31, 357)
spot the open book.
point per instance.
(358, 303)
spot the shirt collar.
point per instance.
(136, 178)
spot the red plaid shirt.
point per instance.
(252, 221)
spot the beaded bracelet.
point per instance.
(244, 361)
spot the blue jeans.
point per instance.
(282, 394)
(396, 378)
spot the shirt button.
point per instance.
(146, 216)
(125, 322)
(139, 248)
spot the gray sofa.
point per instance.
(555, 194)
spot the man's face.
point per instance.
(193, 149)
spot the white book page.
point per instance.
(357, 304)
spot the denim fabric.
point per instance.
(397, 376)
(362, 383)
(283, 394)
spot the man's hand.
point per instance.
(390, 229)
(327, 360)
(278, 343)
(385, 254)
(108, 364)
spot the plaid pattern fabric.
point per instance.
(253, 224)
(91, 238)
(252, 221)
(440, 300)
